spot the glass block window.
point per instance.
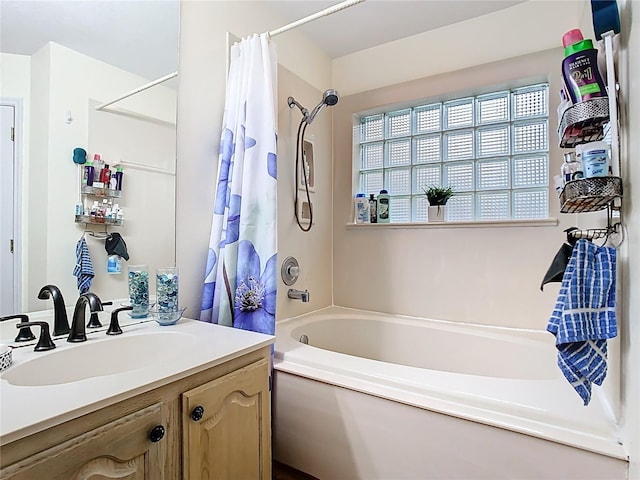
(492, 149)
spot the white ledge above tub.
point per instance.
(541, 222)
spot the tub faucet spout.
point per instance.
(302, 295)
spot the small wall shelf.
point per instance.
(590, 194)
(91, 220)
(584, 122)
(101, 192)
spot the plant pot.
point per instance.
(436, 213)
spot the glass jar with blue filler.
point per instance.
(139, 290)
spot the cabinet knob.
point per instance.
(157, 433)
(197, 413)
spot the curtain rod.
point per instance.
(310, 18)
(138, 90)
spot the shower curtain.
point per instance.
(240, 282)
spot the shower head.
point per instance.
(329, 97)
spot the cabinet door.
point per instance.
(227, 426)
(120, 449)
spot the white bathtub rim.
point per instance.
(581, 431)
(478, 329)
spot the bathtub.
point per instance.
(374, 396)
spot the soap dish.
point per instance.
(5, 357)
(166, 318)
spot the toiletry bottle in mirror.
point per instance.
(97, 167)
(118, 176)
(87, 178)
(105, 175)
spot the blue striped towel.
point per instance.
(83, 270)
(584, 316)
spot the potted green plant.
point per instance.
(438, 198)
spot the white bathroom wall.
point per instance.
(313, 248)
(487, 275)
(65, 81)
(203, 26)
(483, 275)
(528, 27)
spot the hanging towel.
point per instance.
(584, 316)
(83, 270)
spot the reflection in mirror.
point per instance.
(60, 60)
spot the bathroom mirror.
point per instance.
(60, 60)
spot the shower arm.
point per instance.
(315, 112)
(292, 103)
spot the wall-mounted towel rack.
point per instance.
(98, 235)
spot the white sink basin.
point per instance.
(95, 358)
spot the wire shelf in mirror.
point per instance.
(101, 192)
(93, 220)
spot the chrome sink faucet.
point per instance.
(78, 330)
(60, 321)
(302, 295)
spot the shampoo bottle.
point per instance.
(87, 178)
(361, 205)
(383, 207)
(580, 68)
(373, 208)
(595, 159)
(118, 176)
(97, 167)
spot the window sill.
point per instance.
(541, 222)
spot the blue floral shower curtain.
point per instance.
(240, 283)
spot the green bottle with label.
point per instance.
(383, 207)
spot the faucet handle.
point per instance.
(25, 334)
(114, 326)
(44, 342)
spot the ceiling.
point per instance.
(141, 36)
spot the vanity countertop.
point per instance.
(25, 410)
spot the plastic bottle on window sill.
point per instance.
(361, 206)
(383, 207)
(373, 208)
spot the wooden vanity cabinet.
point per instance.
(225, 434)
(119, 449)
(231, 440)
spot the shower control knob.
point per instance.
(157, 433)
(197, 413)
